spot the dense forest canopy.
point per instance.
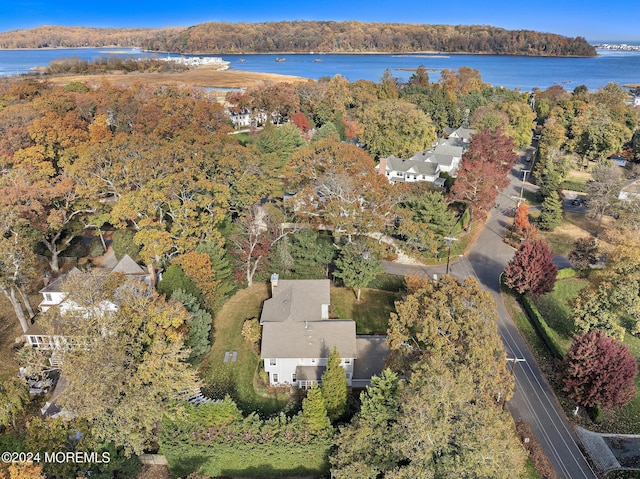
(305, 36)
(49, 36)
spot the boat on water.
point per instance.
(280, 60)
(241, 60)
(318, 60)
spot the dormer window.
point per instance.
(47, 297)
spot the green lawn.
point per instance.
(237, 378)
(556, 310)
(371, 314)
(250, 460)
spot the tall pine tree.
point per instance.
(334, 387)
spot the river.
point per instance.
(513, 72)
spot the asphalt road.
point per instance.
(533, 401)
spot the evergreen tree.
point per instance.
(314, 414)
(363, 447)
(551, 214)
(199, 324)
(223, 271)
(312, 253)
(334, 387)
(357, 266)
(173, 279)
(548, 178)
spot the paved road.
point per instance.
(533, 401)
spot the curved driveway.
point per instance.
(533, 401)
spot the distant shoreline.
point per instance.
(420, 52)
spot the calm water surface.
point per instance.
(522, 73)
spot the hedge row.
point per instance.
(547, 334)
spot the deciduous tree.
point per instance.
(14, 396)
(584, 253)
(600, 371)
(357, 266)
(455, 322)
(445, 430)
(483, 172)
(531, 269)
(398, 128)
(129, 362)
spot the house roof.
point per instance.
(449, 149)
(296, 300)
(315, 339)
(127, 266)
(56, 286)
(632, 189)
(372, 355)
(464, 133)
(420, 167)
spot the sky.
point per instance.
(602, 20)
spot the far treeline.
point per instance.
(306, 36)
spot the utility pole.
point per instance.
(449, 240)
(524, 177)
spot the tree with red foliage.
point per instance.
(600, 371)
(531, 268)
(483, 171)
(300, 121)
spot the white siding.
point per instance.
(285, 368)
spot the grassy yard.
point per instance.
(236, 378)
(574, 226)
(371, 314)
(555, 308)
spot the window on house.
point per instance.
(274, 378)
(293, 378)
(272, 362)
(47, 297)
(313, 361)
(348, 361)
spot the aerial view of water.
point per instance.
(513, 72)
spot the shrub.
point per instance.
(95, 248)
(565, 273)
(543, 328)
(123, 244)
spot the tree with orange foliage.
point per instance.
(521, 224)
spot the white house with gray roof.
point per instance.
(298, 335)
(399, 170)
(55, 295)
(444, 156)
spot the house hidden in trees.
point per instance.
(54, 295)
(444, 156)
(298, 335)
(630, 192)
